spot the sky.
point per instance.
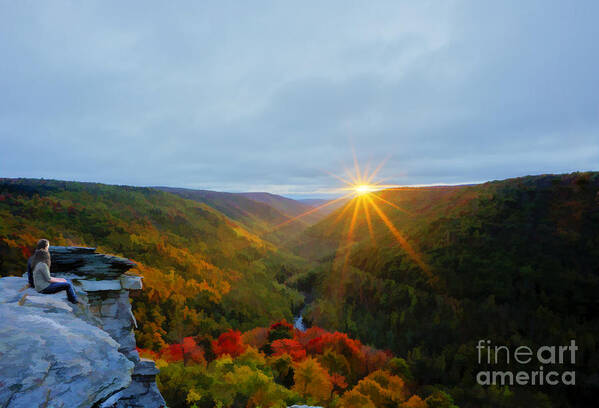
(276, 96)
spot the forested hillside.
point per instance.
(287, 206)
(272, 217)
(514, 261)
(202, 271)
(423, 273)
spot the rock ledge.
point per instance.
(54, 354)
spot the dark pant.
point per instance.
(56, 287)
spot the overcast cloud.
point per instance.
(246, 96)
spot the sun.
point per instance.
(364, 202)
(362, 189)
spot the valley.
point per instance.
(421, 272)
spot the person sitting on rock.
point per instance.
(42, 281)
(34, 259)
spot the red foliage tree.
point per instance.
(303, 337)
(341, 344)
(229, 343)
(26, 251)
(337, 341)
(172, 353)
(192, 352)
(288, 346)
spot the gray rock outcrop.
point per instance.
(55, 354)
(50, 357)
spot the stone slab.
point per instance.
(130, 282)
(98, 285)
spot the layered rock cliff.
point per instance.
(54, 354)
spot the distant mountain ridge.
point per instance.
(249, 212)
(272, 217)
(326, 206)
(289, 207)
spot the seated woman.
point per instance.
(43, 282)
(43, 256)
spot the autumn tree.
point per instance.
(440, 399)
(257, 337)
(172, 353)
(192, 353)
(282, 369)
(414, 402)
(312, 380)
(338, 382)
(229, 343)
(354, 399)
(383, 389)
(288, 346)
(280, 330)
(374, 359)
(341, 344)
(335, 363)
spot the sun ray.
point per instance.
(346, 226)
(369, 222)
(354, 217)
(349, 183)
(366, 172)
(351, 176)
(345, 245)
(342, 213)
(391, 204)
(356, 165)
(379, 182)
(376, 170)
(400, 238)
(350, 232)
(311, 211)
(362, 187)
(341, 246)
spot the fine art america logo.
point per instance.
(545, 360)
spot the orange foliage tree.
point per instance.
(414, 402)
(338, 382)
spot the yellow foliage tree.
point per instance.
(383, 388)
(312, 380)
(353, 399)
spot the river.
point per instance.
(298, 321)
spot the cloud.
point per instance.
(274, 96)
